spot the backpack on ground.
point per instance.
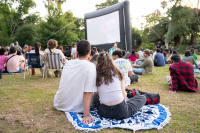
(151, 97)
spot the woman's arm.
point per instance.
(123, 89)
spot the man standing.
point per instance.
(74, 53)
(140, 52)
(182, 75)
(159, 59)
(158, 45)
(18, 48)
(77, 84)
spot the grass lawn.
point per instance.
(27, 105)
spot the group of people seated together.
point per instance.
(102, 75)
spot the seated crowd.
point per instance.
(101, 74)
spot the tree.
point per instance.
(32, 19)
(80, 27)
(26, 34)
(106, 4)
(56, 20)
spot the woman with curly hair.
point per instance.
(111, 91)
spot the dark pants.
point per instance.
(123, 110)
(134, 78)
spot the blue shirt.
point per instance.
(159, 58)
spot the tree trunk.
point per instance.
(177, 40)
(193, 40)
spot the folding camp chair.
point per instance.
(33, 61)
(55, 61)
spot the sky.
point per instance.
(138, 8)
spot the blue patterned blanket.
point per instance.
(150, 116)
(196, 71)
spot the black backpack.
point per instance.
(151, 97)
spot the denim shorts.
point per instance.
(20, 70)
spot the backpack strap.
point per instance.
(9, 58)
(50, 50)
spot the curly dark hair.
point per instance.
(106, 69)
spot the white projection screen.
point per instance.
(103, 29)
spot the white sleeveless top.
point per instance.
(111, 92)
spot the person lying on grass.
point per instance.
(77, 84)
(182, 74)
(111, 91)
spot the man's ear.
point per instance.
(89, 52)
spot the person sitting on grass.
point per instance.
(189, 58)
(159, 59)
(3, 59)
(77, 84)
(133, 57)
(193, 54)
(110, 100)
(145, 65)
(182, 75)
(125, 66)
(13, 65)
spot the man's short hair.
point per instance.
(147, 52)
(141, 49)
(92, 52)
(13, 50)
(70, 47)
(123, 53)
(16, 43)
(158, 50)
(117, 52)
(83, 48)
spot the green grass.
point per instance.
(27, 105)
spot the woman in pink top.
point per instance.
(3, 58)
(133, 57)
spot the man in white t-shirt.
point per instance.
(124, 65)
(77, 84)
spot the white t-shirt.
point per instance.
(55, 51)
(78, 76)
(74, 52)
(125, 66)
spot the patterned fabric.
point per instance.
(150, 116)
(182, 74)
(54, 61)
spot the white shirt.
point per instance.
(74, 52)
(55, 51)
(111, 92)
(125, 66)
(140, 54)
(78, 76)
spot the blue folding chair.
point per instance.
(33, 61)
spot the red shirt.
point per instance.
(132, 57)
(182, 74)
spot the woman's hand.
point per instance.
(86, 120)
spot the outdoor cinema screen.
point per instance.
(103, 29)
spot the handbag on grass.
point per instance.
(152, 98)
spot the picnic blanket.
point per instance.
(196, 71)
(150, 116)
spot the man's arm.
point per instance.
(87, 98)
(130, 74)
